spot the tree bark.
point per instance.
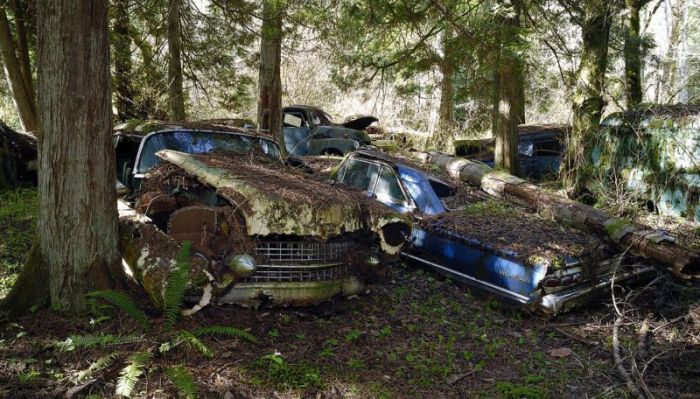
(632, 53)
(270, 82)
(23, 99)
(683, 262)
(509, 102)
(122, 61)
(176, 95)
(443, 137)
(588, 100)
(77, 224)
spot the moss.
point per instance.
(490, 207)
(615, 226)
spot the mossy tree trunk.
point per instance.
(22, 95)
(269, 80)
(633, 53)
(443, 137)
(509, 96)
(77, 223)
(121, 42)
(176, 95)
(596, 19)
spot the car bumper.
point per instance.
(566, 300)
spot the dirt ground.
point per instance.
(413, 336)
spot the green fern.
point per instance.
(226, 331)
(99, 365)
(189, 339)
(183, 381)
(177, 284)
(123, 302)
(131, 373)
(91, 341)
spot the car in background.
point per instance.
(512, 254)
(540, 148)
(228, 192)
(309, 131)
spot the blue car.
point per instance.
(484, 250)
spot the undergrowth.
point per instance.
(18, 209)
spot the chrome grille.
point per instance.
(302, 252)
(268, 274)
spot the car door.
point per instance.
(360, 174)
(388, 190)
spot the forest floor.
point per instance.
(413, 335)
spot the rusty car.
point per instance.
(505, 251)
(261, 232)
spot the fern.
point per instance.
(123, 302)
(183, 381)
(226, 331)
(177, 284)
(189, 339)
(99, 365)
(91, 341)
(130, 374)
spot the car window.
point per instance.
(525, 148)
(360, 174)
(315, 118)
(293, 119)
(388, 188)
(201, 143)
(547, 148)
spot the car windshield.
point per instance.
(192, 142)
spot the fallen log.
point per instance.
(18, 155)
(641, 241)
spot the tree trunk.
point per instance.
(509, 102)
(176, 95)
(23, 99)
(122, 61)
(77, 224)
(588, 100)
(270, 83)
(19, 11)
(632, 53)
(443, 137)
(683, 262)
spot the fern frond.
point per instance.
(183, 381)
(91, 341)
(123, 302)
(131, 373)
(189, 339)
(177, 284)
(226, 331)
(99, 365)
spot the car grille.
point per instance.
(301, 252)
(290, 261)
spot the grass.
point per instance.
(18, 210)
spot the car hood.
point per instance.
(359, 122)
(276, 200)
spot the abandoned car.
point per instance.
(309, 131)
(260, 232)
(505, 251)
(540, 148)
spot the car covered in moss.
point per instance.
(260, 231)
(491, 245)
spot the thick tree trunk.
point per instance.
(683, 262)
(509, 102)
(124, 92)
(176, 95)
(443, 137)
(77, 223)
(270, 82)
(588, 100)
(632, 53)
(24, 100)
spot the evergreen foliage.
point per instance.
(123, 302)
(130, 374)
(176, 286)
(183, 381)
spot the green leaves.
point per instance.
(176, 286)
(130, 374)
(183, 381)
(123, 302)
(226, 331)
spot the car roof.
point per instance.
(399, 163)
(142, 128)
